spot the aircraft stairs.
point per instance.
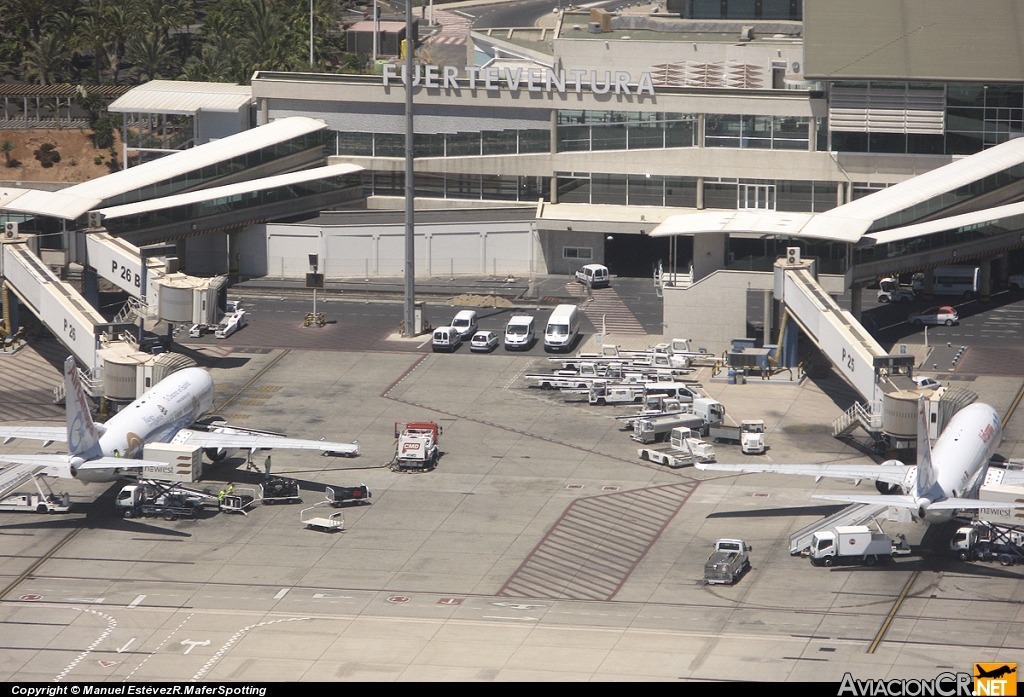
(854, 514)
(18, 478)
(859, 415)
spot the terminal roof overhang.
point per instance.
(185, 199)
(851, 222)
(75, 201)
(184, 98)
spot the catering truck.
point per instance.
(853, 544)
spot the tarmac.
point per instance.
(541, 548)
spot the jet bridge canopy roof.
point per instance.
(73, 202)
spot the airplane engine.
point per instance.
(888, 489)
(216, 454)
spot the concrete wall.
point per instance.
(371, 250)
(713, 311)
(207, 255)
(216, 125)
(554, 242)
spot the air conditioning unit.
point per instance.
(792, 256)
(10, 231)
(95, 219)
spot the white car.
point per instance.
(594, 275)
(465, 323)
(943, 314)
(927, 383)
(484, 342)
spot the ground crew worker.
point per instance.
(266, 465)
(220, 496)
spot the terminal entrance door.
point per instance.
(638, 255)
(756, 196)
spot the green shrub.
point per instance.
(47, 155)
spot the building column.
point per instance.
(91, 286)
(1001, 269)
(264, 117)
(856, 300)
(929, 284)
(700, 193)
(985, 280)
(700, 130)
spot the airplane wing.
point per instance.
(48, 434)
(62, 459)
(889, 473)
(251, 441)
(910, 502)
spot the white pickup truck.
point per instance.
(727, 562)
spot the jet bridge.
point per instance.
(883, 380)
(169, 295)
(57, 305)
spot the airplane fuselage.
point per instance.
(174, 403)
(961, 454)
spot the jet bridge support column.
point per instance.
(856, 301)
(91, 286)
(985, 280)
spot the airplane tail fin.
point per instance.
(83, 435)
(925, 470)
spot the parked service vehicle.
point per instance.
(749, 434)
(727, 562)
(957, 280)
(892, 292)
(154, 498)
(39, 503)
(446, 339)
(233, 320)
(594, 275)
(853, 543)
(941, 314)
(653, 429)
(926, 383)
(519, 332)
(682, 449)
(987, 542)
(562, 329)
(417, 446)
(484, 342)
(465, 323)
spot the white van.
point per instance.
(446, 339)
(465, 323)
(594, 275)
(519, 332)
(563, 327)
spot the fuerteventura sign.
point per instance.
(445, 77)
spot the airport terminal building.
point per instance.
(700, 145)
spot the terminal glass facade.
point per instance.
(474, 187)
(763, 132)
(580, 130)
(506, 142)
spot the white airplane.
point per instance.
(945, 479)
(105, 452)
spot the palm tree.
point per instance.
(149, 54)
(7, 147)
(46, 60)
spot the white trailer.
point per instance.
(853, 543)
(683, 448)
(749, 434)
(653, 429)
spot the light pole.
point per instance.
(311, 34)
(376, 30)
(410, 227)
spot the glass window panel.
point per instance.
(499, 142)
(573, 138)
(719, 195)
(849, 142)
(965, 94)
(963, 119)
(608, 137)
(499, 188)
(534, 140)
(571, 116)
(645, 190)
(825, 194)
(1004, 95)
(428, 145)
(887, 142)
(428, 184)
(794, 196)
(389, 145)
(707, 9)
(463, 186)
(608, 189)
(680, 134)
(741, 9)
(573, 190)
(650, 134)
(924, 143)
(463, 144)
(681, 191)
